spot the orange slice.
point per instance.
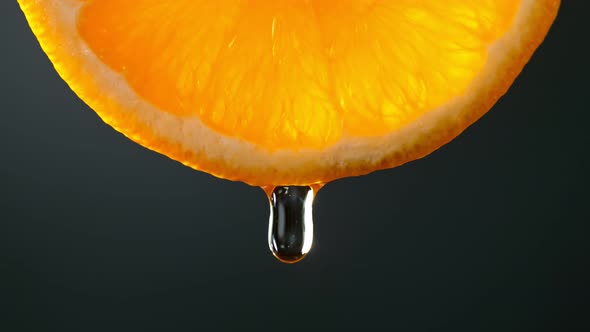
(290, 92)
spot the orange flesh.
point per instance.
(296, 74)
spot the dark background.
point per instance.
(489, 233)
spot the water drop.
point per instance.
(290, 229)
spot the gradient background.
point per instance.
(489, 233)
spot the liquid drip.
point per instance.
(290, 229)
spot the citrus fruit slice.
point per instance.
(290, 92)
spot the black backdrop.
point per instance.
(489, 233)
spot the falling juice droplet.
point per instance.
(290, 229)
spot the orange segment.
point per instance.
(232, 63)
(290, 92)
(162, 48)
(394, 60)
